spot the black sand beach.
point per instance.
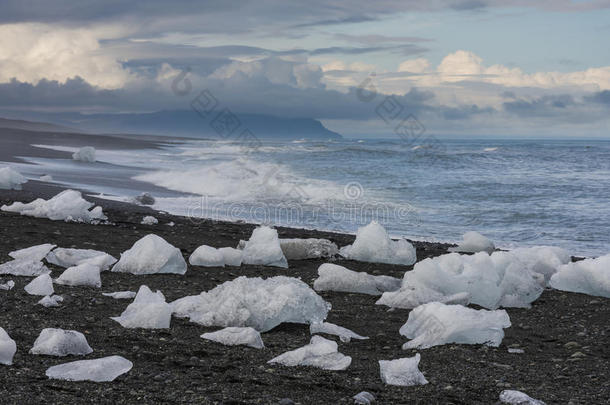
(564, 335)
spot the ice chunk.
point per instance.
(149, 311)
(105, 369)
(403, 372)
(264, 248)
(436, 324)
(8, 285)
(145, 199)
(149, 220)
(85, 154)
(207, 256)
(151, 255)
(321, 353)
(312, 248)
(82, 275)
(24, 267)
(544, 260)
(35, 253)
(364, 398)
(411, 297)
(516, 351)
(374, 245)
(49, 301)
(59, 342)
(46, 177)
(495, 280)
(331, 329)
(231, 256)
(120, 295)
(68, 205)
(233, 336)
(332, 277)
(473, 242)
(41, 285)
(11, 179)
(515, 397)
(261, 304)
(68, 257)
(589, 276)
(8, 347)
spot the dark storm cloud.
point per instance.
(603, 97)
(544, 106)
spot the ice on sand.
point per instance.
(495, 280)
(11, 179)
(411, 297)
(259, 303)
(120, 295)
(332, 277)
(59, 342)
(514, 397)
(589, 276)
(364, 398)
(331, 329)
(151, 255)
(50, 301)
(544, 260)
(311, 248)
(86, 274)
(403, 372)
(321, 353)
(85, 154)
(7, 286)
(69, 257)
(373, 244)
(231, 256)
(149, 311)
(436, 324)
(105, 369)
(149, 220)
(35, 253)
(473, 242)
(207, 256)
(24, 267)
(8, 348)
(264, 248)
(234, 336)
(68, 205)
(41, 285)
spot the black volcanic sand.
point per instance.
(564, 335)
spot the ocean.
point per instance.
(516, 192)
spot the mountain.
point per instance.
(33, 126)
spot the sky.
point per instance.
(521, 68)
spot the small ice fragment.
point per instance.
(233, 336)
(149, 311)
(513, 350)
(403, 372)
(207, 256)
(412, 297)
(59, 342)
(151, 255)
(231, 256)
(332, 277)
(589, 276)
(68, 205)
(11, 179)
(105, 369)
(311, 248)
(41, 285)
(473, 242)
(120, 295)
(145, 199)
(364, 398)
(50, 301)
(8, 285)
(24, 267)
(46, 177)
(69, 257)
(514, 397)
(321, 353)
(85, 154)
(35, 253)
(149, 220)
(171, 223)
(85, 274)
(331, 329)
(8, 348)
(374, 245)
(263, 248)
(436, 324)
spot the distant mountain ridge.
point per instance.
(33, 126)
